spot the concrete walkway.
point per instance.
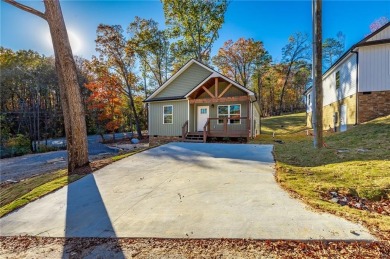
(181, 190)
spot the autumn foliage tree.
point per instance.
(238, 60)
(107, 100)
(119, 55)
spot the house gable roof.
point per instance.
(212, 73)
(182, 71)
(364, 42)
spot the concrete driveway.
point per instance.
(181, 190)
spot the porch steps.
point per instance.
(196, 137)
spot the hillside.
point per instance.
(284, 124)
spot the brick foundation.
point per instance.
(329, 110)
(373, 105)
(159, 140)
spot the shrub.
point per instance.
(16, 146)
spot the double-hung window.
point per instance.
(167, 114)
(233, 112)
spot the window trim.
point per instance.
(170, 105)
(338, 83)
(228, 114)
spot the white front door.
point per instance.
(203, 115)
(343, 118)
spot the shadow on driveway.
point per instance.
(191, 152)
(86, 216)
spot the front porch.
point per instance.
(214, 129)
(217, 109)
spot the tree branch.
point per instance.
(26, 8)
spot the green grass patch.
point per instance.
(37, 192)
(284, 124)
(11, 192)
(119, 157)
(355, 162)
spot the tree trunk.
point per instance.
(73, 109)
(284, 88)
(136, 118)
(259, 98)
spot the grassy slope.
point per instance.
(309, 172)
(285, 124)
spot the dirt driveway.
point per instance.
(181, 190)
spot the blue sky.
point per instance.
(269, 21)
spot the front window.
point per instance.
(168, 114)
(229, 111)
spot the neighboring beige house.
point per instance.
(197, 103)
(356, 88)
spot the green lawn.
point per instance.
(17, 195)
(284, 124)
(362, 168)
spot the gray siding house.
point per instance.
(198, 103)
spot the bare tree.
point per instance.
(294, 52)
(73, 109)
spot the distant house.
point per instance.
(356, 88)
(197, 103)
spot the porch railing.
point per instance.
(184, 130)
(227, 127)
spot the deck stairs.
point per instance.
(196, 137)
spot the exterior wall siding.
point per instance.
(384, 34)
(185, 82)
(192, 123)
(348, 76)
(256, 122)
(374, 105)
(374, 68)
(330, 109)
(309, 116)
(309, 100)
(156, 125)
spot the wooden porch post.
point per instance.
(225, 128)
(216, 87)
(248, 126)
